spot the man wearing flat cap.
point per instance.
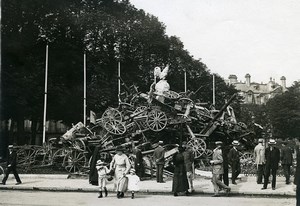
(159, 159)
(234, 161)
(11, 165)
(217, 170)
(272, 156)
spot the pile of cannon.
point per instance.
(141, 119)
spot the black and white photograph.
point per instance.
(149, 102)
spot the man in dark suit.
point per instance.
(11, 165)
(286, 161)
(272, 155)
(234, 161)
(138, 163)
(297, 172)
(159, 159)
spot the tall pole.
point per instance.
(185, 86)
(119, 80)
(84, 88)
(45, 96)
(214, 90)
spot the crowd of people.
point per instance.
(268, 157)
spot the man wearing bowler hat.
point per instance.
(159, 159)
(11, 165)
(234, 161)
(272, 155)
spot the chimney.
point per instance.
(248, 79)
(283, 83)
(232, 79)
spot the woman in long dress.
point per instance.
(121, 165)
(180, 181)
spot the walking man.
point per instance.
(138, 163)
(189, 164)
(272, 156)
(259, 156)
(11, 165)
(286, 161)
(159, 159)
(217, 170)
(234, 161)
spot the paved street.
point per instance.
(8, 198)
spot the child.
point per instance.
(133, 181)
(102, 171)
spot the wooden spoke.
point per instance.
(171, 95)
(157, 120)
(115, 127)
(198, 146)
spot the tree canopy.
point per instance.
(108, 31)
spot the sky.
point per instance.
(259, 37)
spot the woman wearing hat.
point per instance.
(180, 181)
(272, 155)
(234, 161)
(121, 165)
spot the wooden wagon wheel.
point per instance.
(58, 157)
(111, 114)
(247, 163)
(141, 117)
(26, 156)
(115, 127)
(157, 120)
(74, 161)
(198, 146)
(79, 145)
(171, 95)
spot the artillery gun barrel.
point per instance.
(211, 123)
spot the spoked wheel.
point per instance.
(115, 127)
(247, 163)
(111, 114)
(198, 146)
(141, 116)
(75, 161)
(58, 157)
(26, 156)
(79, 145)
(157, 120)
(171, 95)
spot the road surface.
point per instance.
(34, 198)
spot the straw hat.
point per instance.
(260, 140)
(272, 142)
(160, 142)
(218, 142)
(235, 143)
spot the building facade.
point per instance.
(255, 93)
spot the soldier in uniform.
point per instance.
(217, 170)
(159, 159)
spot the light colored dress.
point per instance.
(133, 181)
(121, 165)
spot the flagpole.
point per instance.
(119, 80)
(84, 88)
(214, 90)
(185, 86)
(45, 96)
